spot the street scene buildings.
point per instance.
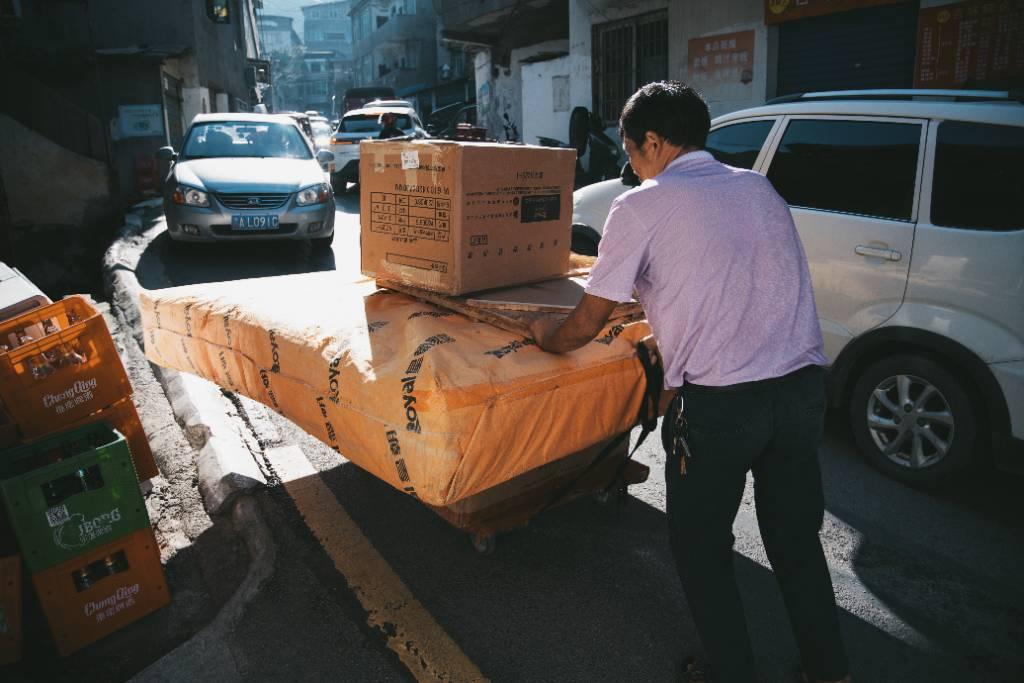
(511, 340)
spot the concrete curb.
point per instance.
(227, 464)
(205, 656)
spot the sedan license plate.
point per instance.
(255, 222)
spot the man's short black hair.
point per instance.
(671, 109)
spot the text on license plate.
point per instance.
(255, 222)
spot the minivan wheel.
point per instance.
(914, 420)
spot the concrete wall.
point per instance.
(220, 53)
(500, 90)
(116, 23)
(687, 19)
(583, 14)
(45, 183)
(196, 101)
(547, 92)
(691, 19)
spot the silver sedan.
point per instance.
(247, 177)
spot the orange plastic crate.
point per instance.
(62, 392)
(123, 417)
(100, 592)
(10, 609)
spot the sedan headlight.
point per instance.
(315, 194)
(190, 196)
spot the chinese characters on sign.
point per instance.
(970, 43)
(778, 11)
(725, 58)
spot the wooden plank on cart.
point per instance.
(516, 323)
(513, 308)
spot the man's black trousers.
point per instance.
(772, 428)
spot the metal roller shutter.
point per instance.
(864, 48)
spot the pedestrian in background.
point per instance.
(389, 128)
(716, 261)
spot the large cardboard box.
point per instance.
(457, 217)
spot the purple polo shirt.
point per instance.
(719, 268)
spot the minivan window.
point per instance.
(738, 144)
(368, 123)
(977, 176)
(860, 167)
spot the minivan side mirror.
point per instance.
(628, 176)
(324, 156)
(166, 154)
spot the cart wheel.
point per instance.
(484, 543)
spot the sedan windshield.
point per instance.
(367, 123)
(245, 139)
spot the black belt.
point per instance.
(747, 386)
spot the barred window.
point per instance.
(627, 54)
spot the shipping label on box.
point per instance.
(462, 217)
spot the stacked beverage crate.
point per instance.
(59, 369)
(70, 484)
(80, 521)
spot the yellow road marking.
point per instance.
(419, 641)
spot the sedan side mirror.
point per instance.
(628, 176)
(324, 156)
(166, 154)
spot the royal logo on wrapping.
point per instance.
(409, 380)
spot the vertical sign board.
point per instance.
(778, 11)
(970, 44)
(725, 58)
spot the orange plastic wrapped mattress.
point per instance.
(435, 404)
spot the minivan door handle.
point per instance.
(878, 252)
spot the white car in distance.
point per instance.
(364, 124)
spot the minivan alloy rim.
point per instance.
(910, 421)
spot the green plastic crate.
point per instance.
(70, 493)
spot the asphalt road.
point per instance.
(927, 582)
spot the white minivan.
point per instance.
(909, 207)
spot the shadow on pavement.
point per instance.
(166, 263)
(584, 593)
(939, 561)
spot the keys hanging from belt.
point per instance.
(679, 445)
